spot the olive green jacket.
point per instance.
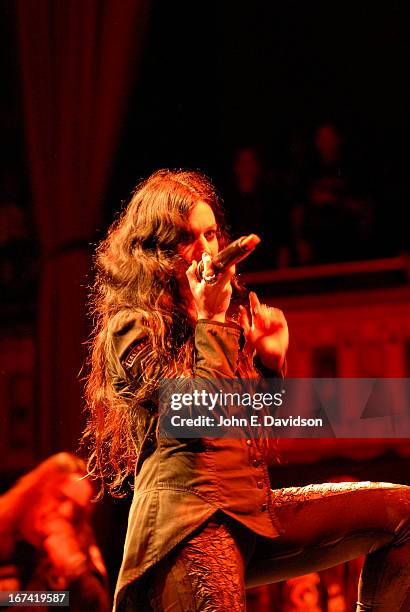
(180, 483)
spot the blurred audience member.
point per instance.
(290, 178)
(334, 219)
(46, 538)
(254, 208)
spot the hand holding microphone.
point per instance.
(210, 279)
(211, 299)
(229, 256)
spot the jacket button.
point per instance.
(260, 484)
(249, 442)
(263, 508)
(255, 463)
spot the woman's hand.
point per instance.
(267, 332)
(211, 300)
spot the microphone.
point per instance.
(230, 255)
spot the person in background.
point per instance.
(335, 221)
(46, 538)
(289, 176)
(252, 199)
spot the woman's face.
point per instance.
(203, 234)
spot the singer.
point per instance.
(204, 522)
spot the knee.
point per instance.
(397, 506)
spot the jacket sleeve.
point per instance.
(267, 372)
(216, 347)
(127, 342)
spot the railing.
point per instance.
(335, 277)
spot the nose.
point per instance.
(204, 243)
(201, 246)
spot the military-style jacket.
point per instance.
(181, 483)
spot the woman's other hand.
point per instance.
(267, 332)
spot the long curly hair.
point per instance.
(136, 274)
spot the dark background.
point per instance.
(217, 75)
(220, 75)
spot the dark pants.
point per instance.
(323, 525)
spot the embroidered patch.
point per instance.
(132, 353)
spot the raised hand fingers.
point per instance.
(263, 316)
(280, 316)
(256, 310)
(254, 302)
(244, 321)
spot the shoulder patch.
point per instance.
(130, 356)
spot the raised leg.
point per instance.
(328, 524)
